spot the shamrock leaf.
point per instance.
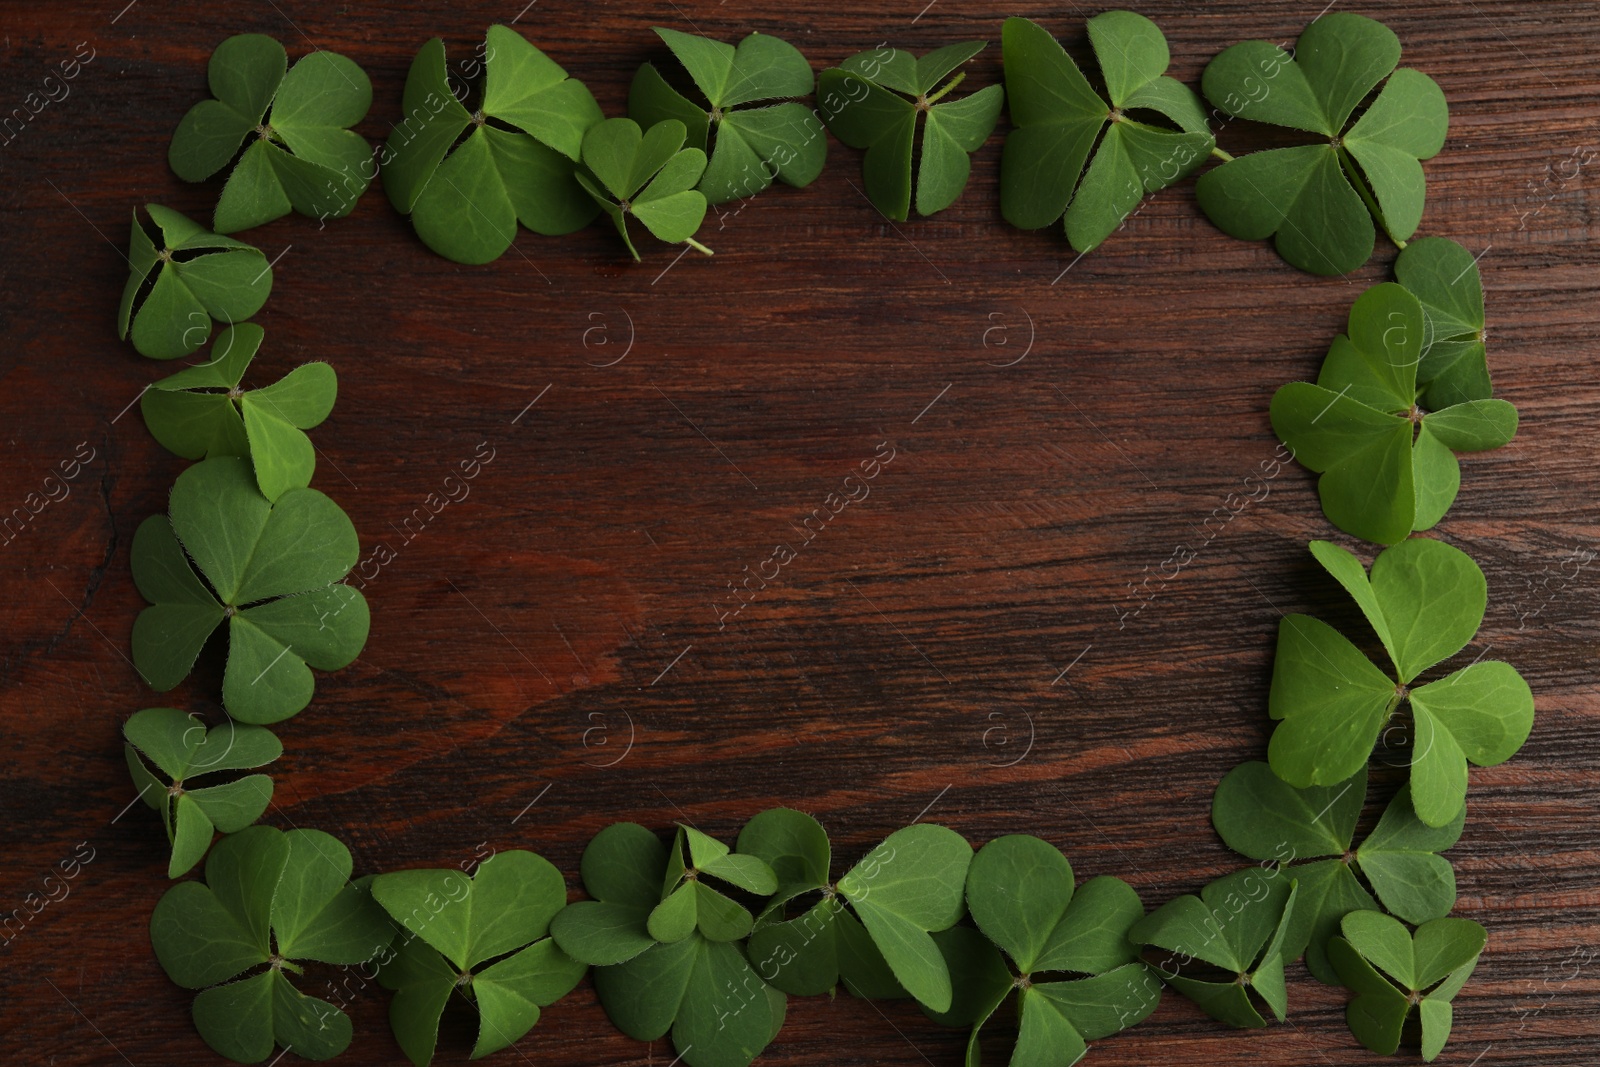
(1239, 923)
(752, 145)
(1392, 971)
(689, 903)
(1261, 816)
(304, 155)
(1444, 277)
(623, 867)
(1320, 199)
(181, 747)
(873, 100)
(273, 570)
(1387, 466)
(648, 175)
(173, 294)
(457, 927)
(467, 177)
(202, 411)
(823, 945)
(1058, 117)
(271, 898)
(718, 1009)
(1020, 893)
(1425, 600)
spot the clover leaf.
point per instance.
(304, 156)
(752, 145)
(1310, 830)
(1057, 119)
(1320, 200)
(1020, 893)
(271, 898)
(458, 926)
(689, 903)
(718, 1009)
(873, 100)
(1391, 971)
(173, 294)
(467, 177)
(823, 945)
(648, 175)
(273, 570)
(1444, 277)
(908, 887)
(201, 411)
(1424, 599)
(182, 748)
(1240, 923)
(1387, 467)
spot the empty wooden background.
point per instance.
(546, 654)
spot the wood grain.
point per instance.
(559, 638)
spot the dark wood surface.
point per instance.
(553, 639)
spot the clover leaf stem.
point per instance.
(929, 101)
(1220, 154)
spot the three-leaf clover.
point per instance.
(1388, 467)
(1424, 599)
(1020, 893)
(202, 411)
(873, 100)
(903, 891)
(1320, 199)
(823, 945)
(182, 748)
(749, 147)
(1057, 118)
(270, 898)
(304, 156)
(1240, 923)
(1444, 277)
(273, 570)
(719, 1010)
(1310, 831)
(467, 177)
(1392, 971)
(647, 174)
(457, 927)
(173, 293)
(689, 903)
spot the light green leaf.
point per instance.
(1332, 702)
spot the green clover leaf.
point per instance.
(1058, 117)
(1310, 831)
(807, 941)
(648, 175)
(1240, 923)
(751, 146)
(304, 156)
(1387, 467)
(274, 571)
(874, 100)
(1425, 600)
(689, 903)
(719, 1010)
(484, 937)
(270, 898)
(1444, 277)
(182, 748)
(173, 294)
(1020, 893)
(467, 177)
(1320, 200)
(1391, 971)
(202, 411)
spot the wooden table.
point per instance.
(558, 650)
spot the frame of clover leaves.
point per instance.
(706, 941)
